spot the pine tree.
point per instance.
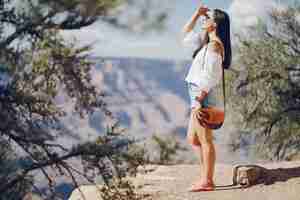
(37, 64)
(267, 92)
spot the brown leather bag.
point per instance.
(215, 117)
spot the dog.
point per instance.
(249, 175)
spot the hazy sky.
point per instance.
(109, 41)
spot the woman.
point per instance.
(213, 53)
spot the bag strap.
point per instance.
(224, 91)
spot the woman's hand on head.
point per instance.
(202, 10)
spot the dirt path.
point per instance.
(171, 183)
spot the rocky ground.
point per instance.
(172, 182)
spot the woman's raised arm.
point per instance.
(201, 11)
(190, 38)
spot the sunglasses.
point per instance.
(209, 14)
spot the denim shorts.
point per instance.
(194, 91)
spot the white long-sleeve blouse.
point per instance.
(206, 69)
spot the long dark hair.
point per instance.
(223, 32)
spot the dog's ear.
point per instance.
(234, 176)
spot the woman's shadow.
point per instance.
(268, 177)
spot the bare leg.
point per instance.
(198, 151)
(194, 140)
(203, 138)
(207, 151)
(209, 155)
